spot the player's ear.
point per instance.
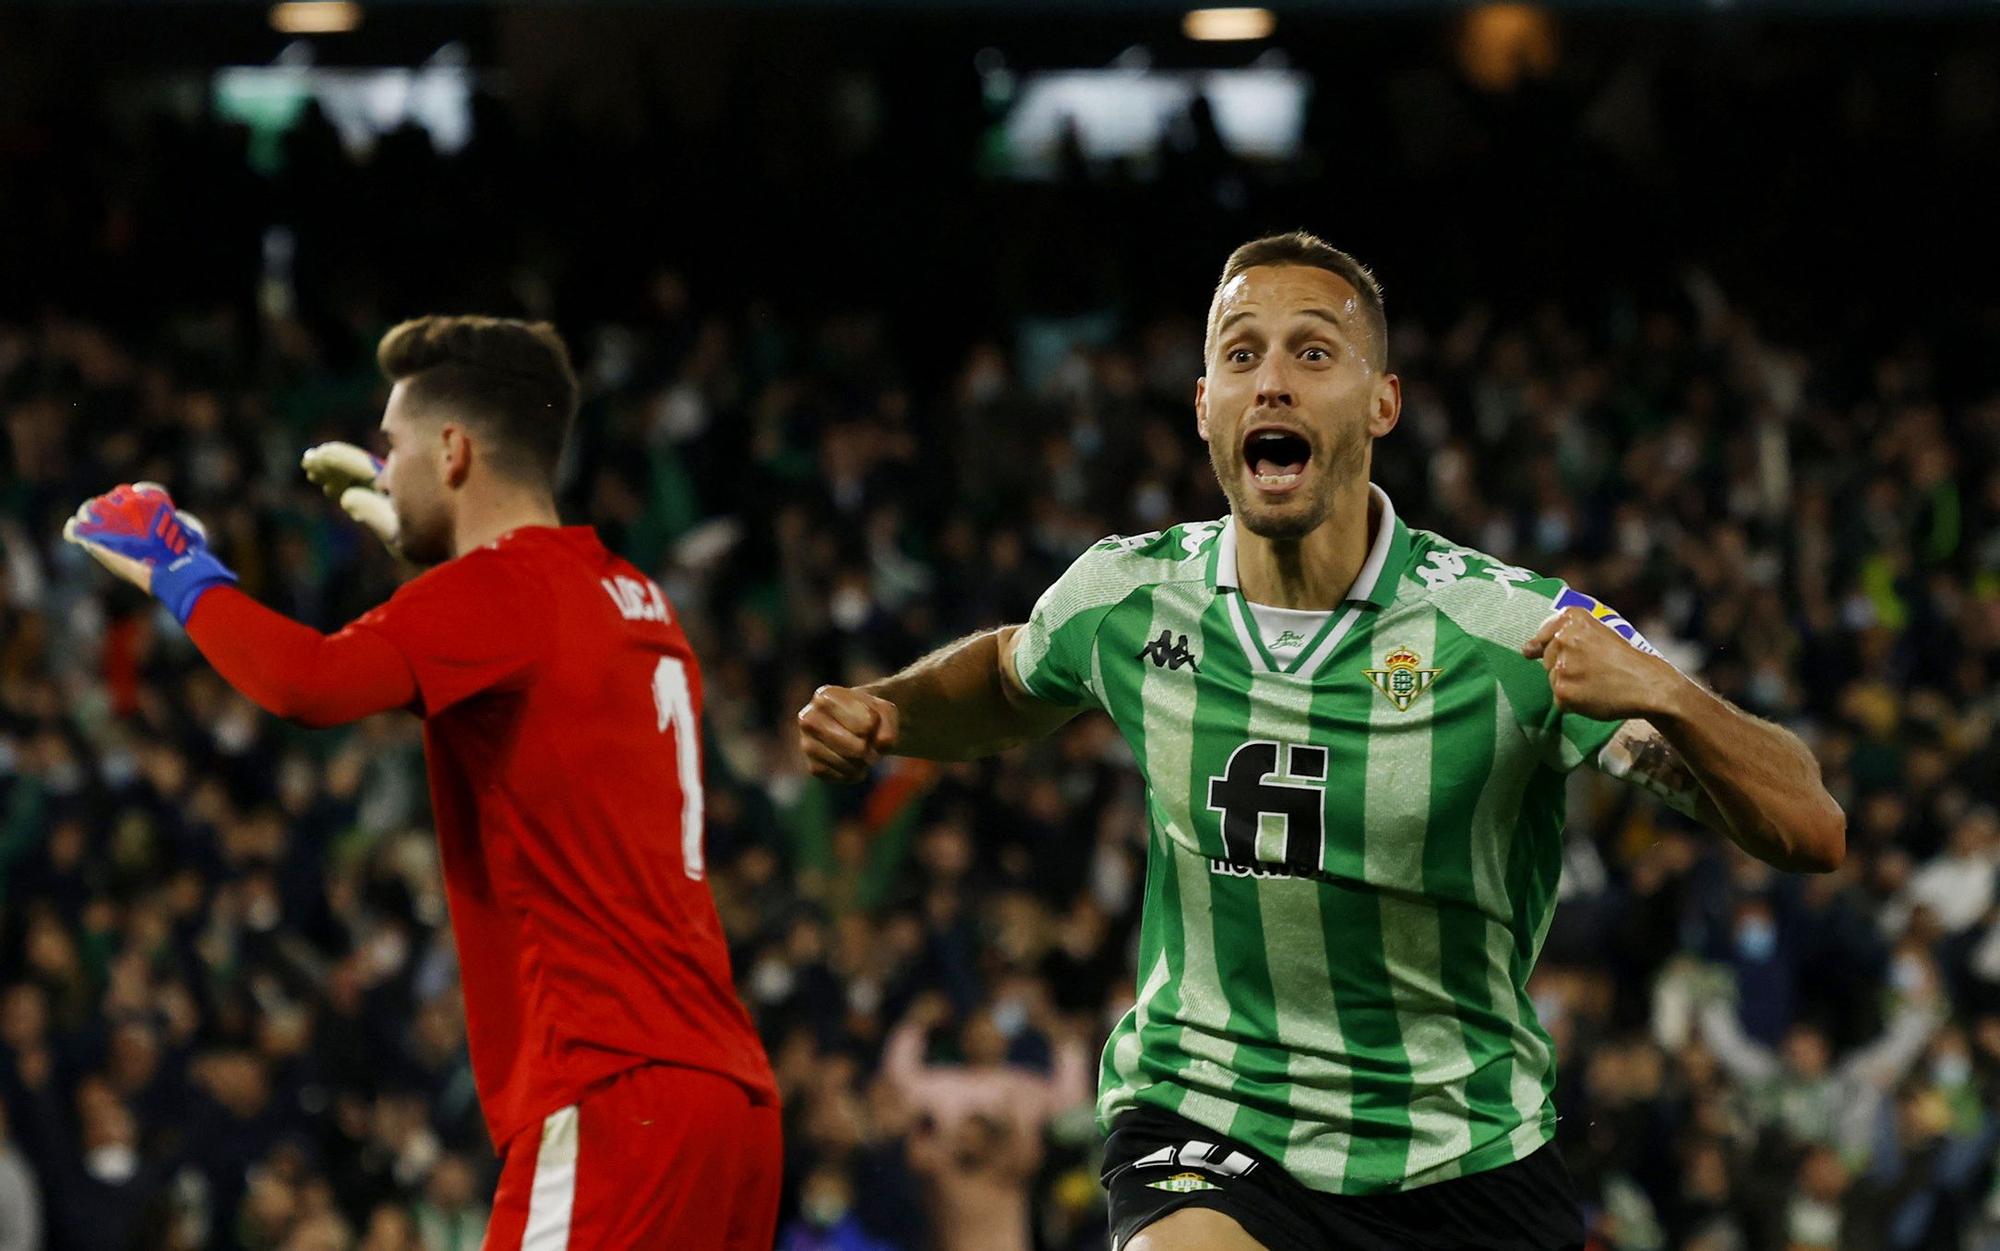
(1388, 405)
(1201, 407)
(456, 458)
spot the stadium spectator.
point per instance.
(977, 1127)
(1798, 1092)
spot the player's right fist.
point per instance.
(844, 731)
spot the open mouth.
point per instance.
(1275, 457)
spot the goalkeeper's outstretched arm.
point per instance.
(289, 669)
(293, 671)
(960, 702)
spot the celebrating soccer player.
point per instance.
(1353, 736)
(619, 1075)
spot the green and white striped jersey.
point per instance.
(1353, 852)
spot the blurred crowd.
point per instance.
(228, 1002)
(229, 1013)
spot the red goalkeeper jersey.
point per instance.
(562, 712)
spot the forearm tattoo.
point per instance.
(1641, 755)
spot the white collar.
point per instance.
(1364, 581)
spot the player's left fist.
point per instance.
(1594, 672)
(351, 477)
(135, 531)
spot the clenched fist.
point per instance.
(1595, 673)
(844, 731)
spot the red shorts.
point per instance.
(657, 1157)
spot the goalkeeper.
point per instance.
(620, 1078)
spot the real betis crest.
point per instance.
(1183, 1183)
(1402, 677)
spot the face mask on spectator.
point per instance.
(117, 768)
(1813, 1224)
(1756, 939)
(112, 1163)
(264, 913)
(864, 996)
(1010, 1017)
(770, 981)
(1954, 1068)
(388, 950)
(824, 1208)
(1767, 686)
(849, 608)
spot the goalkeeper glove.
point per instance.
(347, 474)
(136, 532)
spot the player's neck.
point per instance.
(1312, 573)
(489, 514)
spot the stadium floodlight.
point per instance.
(1221, 24)
(315, 17)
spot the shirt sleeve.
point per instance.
(1053, 652)
(470, 626)
(1572, 740)
(293, 671)
(1503, 608)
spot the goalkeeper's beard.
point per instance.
(422, 540)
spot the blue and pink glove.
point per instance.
(135, 531)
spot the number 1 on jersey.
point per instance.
(675, 704)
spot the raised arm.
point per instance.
(289, 669)
(1883, 1063)
(963, 701)
(292, 670)
(1736, 1051)
(992, 690)
(1740, 775)
(903, 1054)
(1070, 1075)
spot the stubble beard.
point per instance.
(422, 544)
(1294, 519)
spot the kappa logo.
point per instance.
(1446, 565)
(1124, 543)
(1403, 678)
(1167, 652)
(1206, 1156)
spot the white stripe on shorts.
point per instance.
(553, 1194)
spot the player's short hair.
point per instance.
(1313, 252)
(512, 379)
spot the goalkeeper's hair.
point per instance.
(1312, 252)
(512, 379)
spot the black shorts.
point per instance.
(1156, 1163)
